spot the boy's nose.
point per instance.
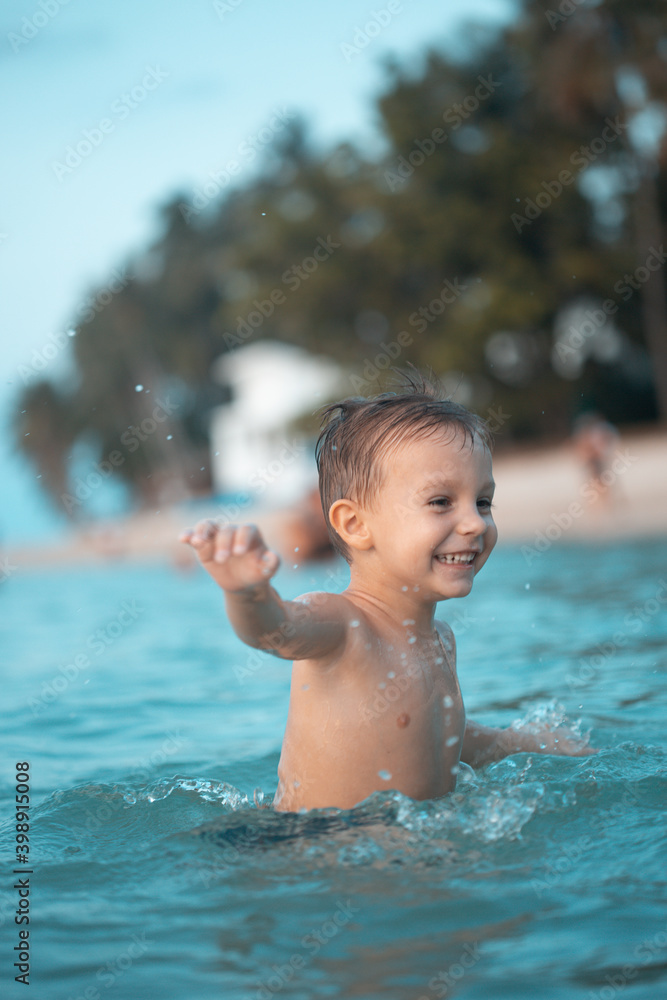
(472, 523)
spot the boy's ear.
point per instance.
(348, 521)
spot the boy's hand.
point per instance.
(235, 556)
(560, 741)
(565, 743)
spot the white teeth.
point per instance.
(451, 558)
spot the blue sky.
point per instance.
(218, 72)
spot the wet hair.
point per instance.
(359, 433)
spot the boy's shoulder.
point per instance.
(326, 601)
(444, 630)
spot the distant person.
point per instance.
(596, 441)
(407, 490)
(304, 530)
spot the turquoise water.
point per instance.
(159, 873)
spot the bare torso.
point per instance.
(386, 714)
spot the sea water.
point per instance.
(159, 870)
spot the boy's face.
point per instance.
(431, 520)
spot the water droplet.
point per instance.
(202, 468)
(451, 741)
(409, 621)
(416, 588)
(296, 549)
(354, 623)
(412, 639)
(295, 566)
(138, 388)
(404, 589)
(169, 437)
(263, 213)
(217, 452)
(455, 769)
(71, 333)
(296, 783)
(304, 687)
(404, 656)
(447, 701)
(439, 660)
(382, 685)
(391, 675)
(385, 775)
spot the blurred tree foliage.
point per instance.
(466, 236)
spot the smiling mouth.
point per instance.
(457, 559)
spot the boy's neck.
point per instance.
(390, 600)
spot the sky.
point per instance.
(112, 107)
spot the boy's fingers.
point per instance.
(270, 562)
(204, 529)
(223, 543)
(245, 536)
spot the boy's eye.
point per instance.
(485, 503)
(440, 502)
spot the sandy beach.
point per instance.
(544, 496)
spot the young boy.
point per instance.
(407, 489)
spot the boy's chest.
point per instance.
(420, 693)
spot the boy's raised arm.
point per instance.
(241, 564)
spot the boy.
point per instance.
(407, 489)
